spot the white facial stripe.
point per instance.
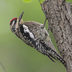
(13, 22)
(26, 30)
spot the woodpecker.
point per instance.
(35, 35)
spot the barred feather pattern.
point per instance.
(45, 50)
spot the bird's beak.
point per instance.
(20, 17)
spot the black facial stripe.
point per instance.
(15, 21)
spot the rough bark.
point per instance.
(59, 14)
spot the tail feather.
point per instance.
(56, 56)
(61, 60)
(52, 54)
(51, 58)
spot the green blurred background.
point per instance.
(15, 55)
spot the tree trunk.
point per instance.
(59, 14)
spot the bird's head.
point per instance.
(14, 23)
